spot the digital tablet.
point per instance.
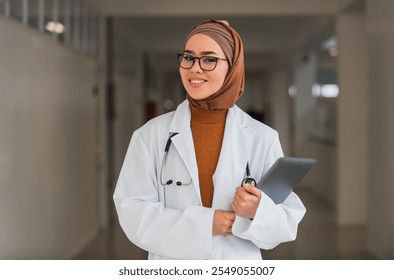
(284, 176)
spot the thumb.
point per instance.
(252, 190)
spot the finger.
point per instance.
(234, 206)
(230, 228)
(237, 207)
(229, 215)
(241, 192)
(237, 201)
(245, 194)
(232, 216)
(252, 190)
(243, 198)
(227, 227)
(238, 210)
(238, 189)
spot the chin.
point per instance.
(198, 95)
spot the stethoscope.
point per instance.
(248, 180)
(162, 170)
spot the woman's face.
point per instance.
(199, 83)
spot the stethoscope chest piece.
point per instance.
(249, 181)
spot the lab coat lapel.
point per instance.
(183, 141)
(234, 154)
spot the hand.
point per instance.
(222, 222)
(246, 201)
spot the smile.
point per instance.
(197, 81)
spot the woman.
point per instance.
(178, 195)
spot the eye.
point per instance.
(188, 58)
(209, 59)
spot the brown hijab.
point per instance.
(233, 85)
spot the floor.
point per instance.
(318, 239)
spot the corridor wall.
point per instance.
(48, 138)
(380, 33)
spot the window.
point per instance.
(325, 90)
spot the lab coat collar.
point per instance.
(181, 119)
(182, 115)
(183, 141)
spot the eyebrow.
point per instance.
(202, 53)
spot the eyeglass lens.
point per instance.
(207, 63)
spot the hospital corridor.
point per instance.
(78, 77)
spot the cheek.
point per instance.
(182, 74)
(219, 79)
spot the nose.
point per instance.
(196, 68)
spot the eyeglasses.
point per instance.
(207, 63)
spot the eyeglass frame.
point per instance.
(199, 61)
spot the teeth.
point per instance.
(196, 81)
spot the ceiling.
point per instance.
(259, 34)
(266, 39)
(269, 28)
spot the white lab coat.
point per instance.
(170, 222)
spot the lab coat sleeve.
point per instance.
(273, 223)
(147, 223)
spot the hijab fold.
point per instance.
(233, 85)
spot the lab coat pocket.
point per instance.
(180, 197)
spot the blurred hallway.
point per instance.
(318, 239)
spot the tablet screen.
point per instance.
(284, 176)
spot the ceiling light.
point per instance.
(55, 27)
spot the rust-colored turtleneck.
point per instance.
(208, 129)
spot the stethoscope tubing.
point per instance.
(166, 149)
